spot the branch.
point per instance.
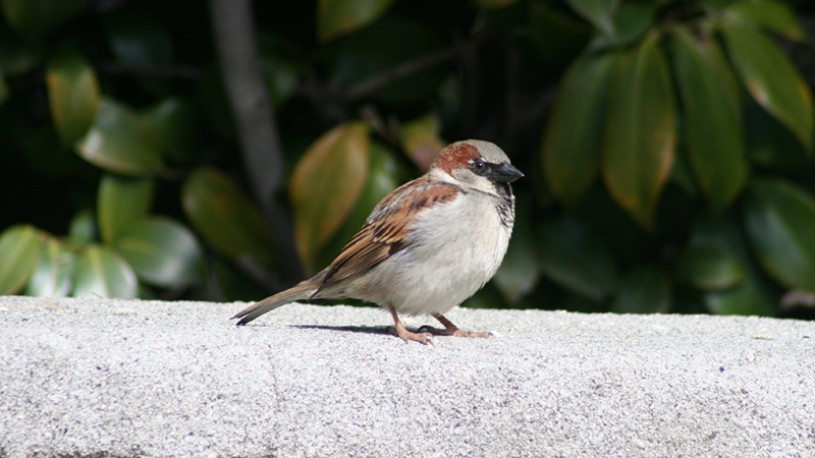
(408, 68)
(262, 152)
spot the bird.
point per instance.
(427, 245)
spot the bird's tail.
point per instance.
(296, 293)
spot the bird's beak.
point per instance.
(505, 173)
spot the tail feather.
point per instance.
(296, 293)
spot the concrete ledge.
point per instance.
(100, 377)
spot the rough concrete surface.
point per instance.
(98, 377)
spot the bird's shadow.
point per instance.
(376, 330)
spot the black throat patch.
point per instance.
(505, 204)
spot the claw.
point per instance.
(424, 338)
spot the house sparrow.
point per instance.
(427, 246)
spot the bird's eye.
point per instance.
(478, 164)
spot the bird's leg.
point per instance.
(452, 330)
(421, 337)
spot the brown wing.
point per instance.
(386, 230)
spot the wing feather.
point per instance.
(386, 231)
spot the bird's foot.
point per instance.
(451, 330)
(424, 338)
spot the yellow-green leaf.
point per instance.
(326, 184)
(780, 220)
(640, 134)
(53, 276)
(120, 142)
(122, 202)
(19, 253)
(100, 272)
(226, 219)
(714, 130)
(420, 139)
(771, 78)
(73, 93)
(339, 17)
(82, 228)
(383, 177)
(774, 16)
(572, 141)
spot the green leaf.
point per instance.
(122, 202)
(178, 126)
(631, 21)
(640, 135)
(771, 15)
(709, 268)
(120, 142)
(340, 17)
(82, 228)
(780, 218)
(53, 276)
(225, 218)
(771, 78)
(326, 184)
(101, 272)
(35, 18)
(571, 145)
(599, 12)
(575, 258)
(643, 289)
(518, 273)
(73, 93)
(752, 295)
(162, 252)
(19, 253)
(712, 117)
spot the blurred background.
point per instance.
(223, 149)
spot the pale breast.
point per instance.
(452, 252)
